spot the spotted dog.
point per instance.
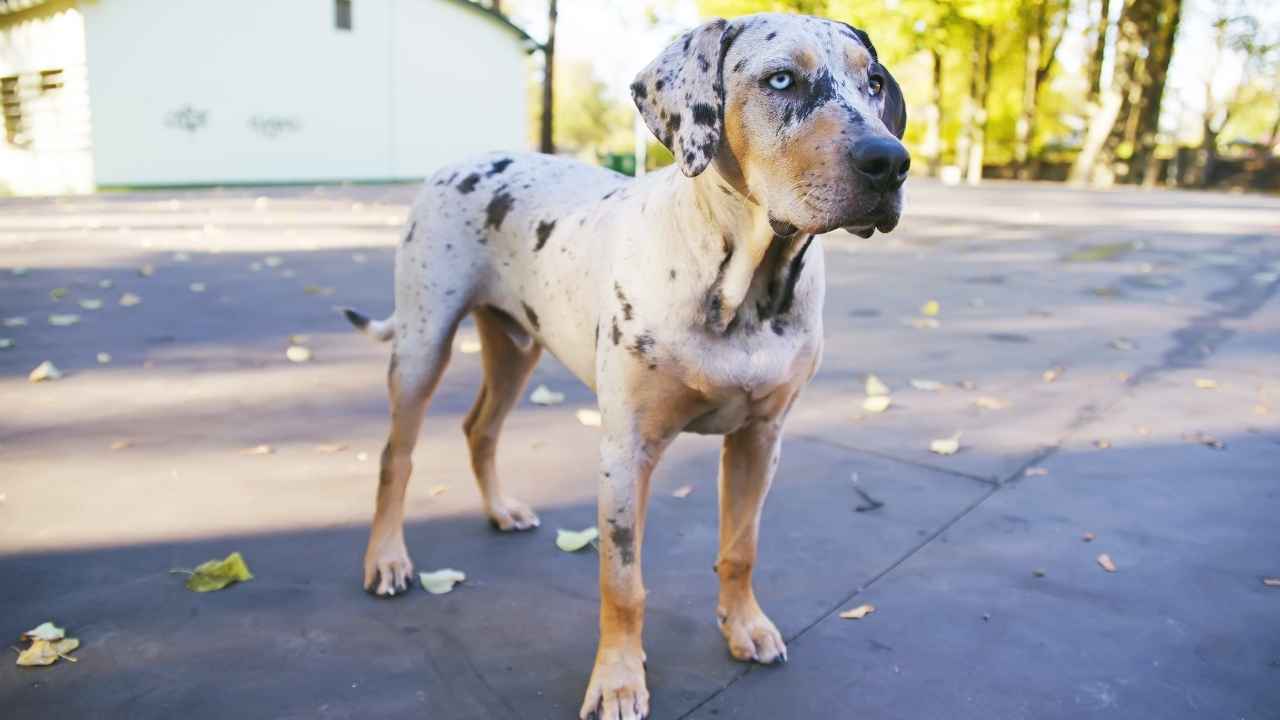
(689, 300)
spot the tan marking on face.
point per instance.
(856, 58)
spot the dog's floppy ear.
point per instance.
(680, 95)
(894, 113)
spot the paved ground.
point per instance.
(989, 603)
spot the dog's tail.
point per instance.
(380, 330)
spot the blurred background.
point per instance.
(101, 94)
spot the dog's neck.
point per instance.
(756, 261)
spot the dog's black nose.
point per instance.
(883, 162)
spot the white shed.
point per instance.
(192, 92)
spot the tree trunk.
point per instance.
(979, 88)
(933, 117)
(1153, 94)
(1098, 35)
(547, 143)
(1025, 128)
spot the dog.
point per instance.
(688, 300)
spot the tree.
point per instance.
(1045, 25)
(546, 141)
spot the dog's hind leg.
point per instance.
(507, 366)
(419, 359)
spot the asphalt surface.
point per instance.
(1110, 360)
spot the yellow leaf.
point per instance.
(121, 444)
(104, 358)
(1105, 561)
(45, 371)
(1036, 472)
(946, 446)
(877, 403)
(197, 287)
(925, 323)
(6, 343)
(58, 293)
(330, 448)
(129, 300)
(1052, 374)
(570, 541)
(63, 320)
(272, 261)
(930, 309)
(258, 450)
(91, 304)
(987, 402)
(589, 417)
(859, 612)
(437, 489)
(926, 385)
(217, 574)
(147, 270)
(682, 491)
(16, 321)
(875, 387)
(46, 652)
(298, 354)
(441, 581)
(45, 631)
(1206, 383)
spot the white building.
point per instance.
(194, 92)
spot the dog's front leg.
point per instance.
(747, 463)
(617, 690)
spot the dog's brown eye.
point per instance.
(875, 85)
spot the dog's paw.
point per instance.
(617, 690)
(387, 567)
(508, 515)
(752, 636)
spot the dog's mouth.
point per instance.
(884, 224)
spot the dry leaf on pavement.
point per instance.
(945, 446)
(986, 402)
(1102, 444)
(877, 403)
(330, 448)
(91, 304)
(6, 343)
(1105, 561)
(1036, 471)
(129, 300)
(1088, 537)
(45, 371)
(121, 444)
(442, 581)
(859, 612)
(682, 491)
(589, 417)
(437, 489)
(926, 385)
(1271, 582)
(47, 652)
(1052, 373)
(258, 450)
(217, 574)
(197, 287)
(874, 386)
(930, 309)
(1203, 438)
(543, 395)
(58, 293)
(63, 320)
(571, 541)
(298, 354)
(15, 321)
(1206, 383)
(103, 358)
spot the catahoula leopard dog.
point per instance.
(689, 300)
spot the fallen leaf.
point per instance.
(58, 293)
(288, 273)
(1052, 374)
(330, 448)
(1088, 537)
(875, 387)
(987, 402)
(930, 309)
(255, 266)
(1102, 443)
(925, 323)
(258, 450)
(20, 271)
(1271, 581)
(859, 612)
(543, 395)
(91, 304)
(682, 491)
(181, 257)
(967, 385)
(105, 283)
(1206, 383)
(877, 403)
(217, 574)
(147, 270)
(926, 385)
(6, 343)
(1203, 438)
(63, 320)
(129, 300)
(45, 652)
(299, 339)
(1036, 472)
(589, 417)
(16, 321)
(359, 257)
(45, 631)
(571, 541)
(1038, 572)
(272, 261)
(298, 353)
(362, 456)
(440, 582)
(45, 371)
(197, 287)
(121, 444)
(437, 489)
(104, 358)
(318, 290)
(945, 446)
(1099, 253)
(1122, 344)
(1105, 561)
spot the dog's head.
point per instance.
(796, 110)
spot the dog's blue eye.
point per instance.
(781, 80)
(875, 84)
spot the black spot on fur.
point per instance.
(498, 166)
(714, 300)
(771, 36)
(638, 90)
(673, 273)
(703, 63)
(659, 84)
(545, 228)
(704, 114)
(793, 275)
(642, 346)
(615, 334)
(688, 38)
(597, 335)
(355, 318)
(529, 313)
(609, 194)
(622, 299)
(737, 67)
(822, 90)
(409, 235)
(468, 183)
(498, 208)
(624, 539)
